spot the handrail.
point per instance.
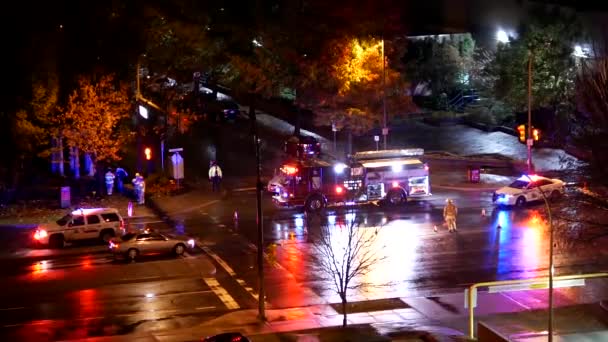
(518, 281)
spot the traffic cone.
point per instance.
(483, 212)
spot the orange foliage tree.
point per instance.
(345, 86)
(95, 116)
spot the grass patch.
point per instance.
(371, 305)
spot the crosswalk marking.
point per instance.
(222, 294)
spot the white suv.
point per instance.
(81, 224)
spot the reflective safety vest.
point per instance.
(109, 178)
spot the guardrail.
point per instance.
(533, 284)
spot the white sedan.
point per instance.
(527, 189)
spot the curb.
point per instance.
(462, 188)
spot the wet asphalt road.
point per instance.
(81, 292)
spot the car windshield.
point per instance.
(519, 184)
(127, 237)
(64, 220)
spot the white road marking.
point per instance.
(230, 271)
(222, 294)
(219, 261)
(205, 307)
(515, 301)
(16, 308)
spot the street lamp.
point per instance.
(143, 111)
(551, 267)
(502, 36)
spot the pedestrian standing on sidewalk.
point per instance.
(135, 182)
(109, 181)
(121, 176)
(449, 215)
(141, 184)
(215, 176)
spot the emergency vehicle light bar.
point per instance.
(386, 154)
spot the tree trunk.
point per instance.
(60, 155)
(344, 311)
(88, 164)
(76, 161)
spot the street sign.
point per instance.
(173, 150)
(376, 138)
(466, 298)
(385, 131)
(530, 142)
(177, 166)
(536, 285)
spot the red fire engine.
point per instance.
(391, 176)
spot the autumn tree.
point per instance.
(345, 86)
(344, 254)
(95, 115)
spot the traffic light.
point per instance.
(535, 134)
(148, 153)
(522, 133)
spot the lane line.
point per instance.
(244, 189)
(15, 308)
(230, 271)
(221, 293)
(219, 261)
(178, 294)
(515, 301)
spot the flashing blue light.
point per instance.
(339, 168)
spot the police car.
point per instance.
(528, 188)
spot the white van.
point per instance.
(81, 224)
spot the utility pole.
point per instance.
(259, 217)
(529, 139)
(385, 128)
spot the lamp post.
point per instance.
(551, 267)
(529, 140)
(385, 128)
(140, 98)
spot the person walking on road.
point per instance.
(449, 215)
(215, 176)
(109, 182)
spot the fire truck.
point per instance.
(387, 176)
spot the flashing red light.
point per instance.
(290, 170)
(395, 184)
(40, 234)
(339, 189)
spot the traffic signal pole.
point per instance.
(529, 139)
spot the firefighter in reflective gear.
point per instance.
(215, 176)
(110, 181)
(449, 215)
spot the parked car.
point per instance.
(81, 224)
(527, 189)
(133, 245)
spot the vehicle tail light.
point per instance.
(122, 224)
(40, 234)
(339, 189)
(395, 184)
